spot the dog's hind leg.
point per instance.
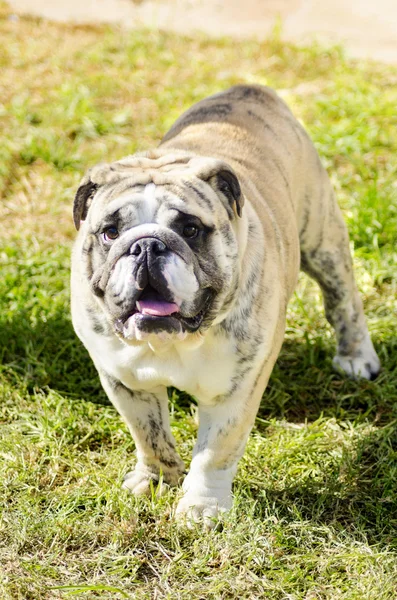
(325, 256)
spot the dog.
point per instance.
(182, 269)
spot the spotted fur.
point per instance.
(242, 166)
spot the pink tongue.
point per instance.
(157, 308)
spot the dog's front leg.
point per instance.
(223, 431)
(147, 418)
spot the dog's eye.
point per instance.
(190, 231)
(110, 234)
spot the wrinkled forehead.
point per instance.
(151, 203)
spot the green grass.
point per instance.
(315, 515)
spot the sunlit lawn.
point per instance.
(315, 515)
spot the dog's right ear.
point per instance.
(83, 199)
(95, 177)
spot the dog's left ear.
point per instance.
(223, 180)
(82, 199)
(228, 184)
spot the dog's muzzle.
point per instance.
(150, 287)
(149, 256)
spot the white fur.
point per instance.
(364, 365)
(148, 208)
(181, 364)
(121, 278)
(205, 496)
(145, 205)
(207, 492)
(138, 480)
(181, 279)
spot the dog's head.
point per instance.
(159, 242)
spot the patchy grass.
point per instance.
(316, 502)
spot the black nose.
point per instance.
(149, 246)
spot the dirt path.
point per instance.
(368, 28)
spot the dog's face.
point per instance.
(160, 247)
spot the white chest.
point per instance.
(205, 371)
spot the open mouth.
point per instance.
(152, 303)
(154, 312)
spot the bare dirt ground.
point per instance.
(367, 28)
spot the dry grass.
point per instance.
(316, 504)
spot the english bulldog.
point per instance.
(183, 266)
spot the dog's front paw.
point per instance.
(364, 364)
(140, 481)
(195, 508)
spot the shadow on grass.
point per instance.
(48, 355)
(303, 387)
